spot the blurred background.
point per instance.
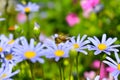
(71, 17)
(54, 16)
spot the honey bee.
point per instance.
(59, 38)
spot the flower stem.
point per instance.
(77, 64)
(60, 70)
(71, 64)
(27, 29)
(31, 70)
(63, 73)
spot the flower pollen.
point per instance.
(59, 53)
(27, 9)
(11, 41)
(3, 76)
(118, 66)
(102, 46)
(1, 49)
(29, 54)
(75, 45)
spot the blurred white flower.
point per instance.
(1, 19)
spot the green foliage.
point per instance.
(52, 19)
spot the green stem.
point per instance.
(60, 70)
(27, 29)
(31, 70)
(77, 64)
(70, 69)
(63, 73)
(43, 77)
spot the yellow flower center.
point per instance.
(102, 46)
(11, 41)
(1, 49)
(75, 45)
(3, 76)
(29, 54)
(9, 56)
(59, 53)
(27, 9)
(118, 66)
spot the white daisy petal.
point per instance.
(57, 58)
(115, 73)
(97, 39)
(82, 51)
(103, 38)
(78, 38)
(111, 41)
(117, 57)
(97, 52)
(110, 64)
(83, 38)
(32, 43)
(112, 46)
(108, 58)
(107, 52)
(93, 41)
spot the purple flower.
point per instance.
(29, 51)
(30, 7)
(105, 45)
(79, 44)
(57, 51)
(114, 64)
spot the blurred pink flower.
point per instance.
(103, 71)
(91, 75)
(96, 64)
(21, 17)
(72, 19)
(94, 2)
(87, 13)
(87, 6)
(110, 69)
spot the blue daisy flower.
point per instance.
(3, 47)
(106, 45)
(11, 58)
(30, 7)
(114, 64)
(6, 43)
(79, 44)
(10, 41)
(29, 51)
(6, 71)
(57, 51)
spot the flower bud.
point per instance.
(73, 53)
